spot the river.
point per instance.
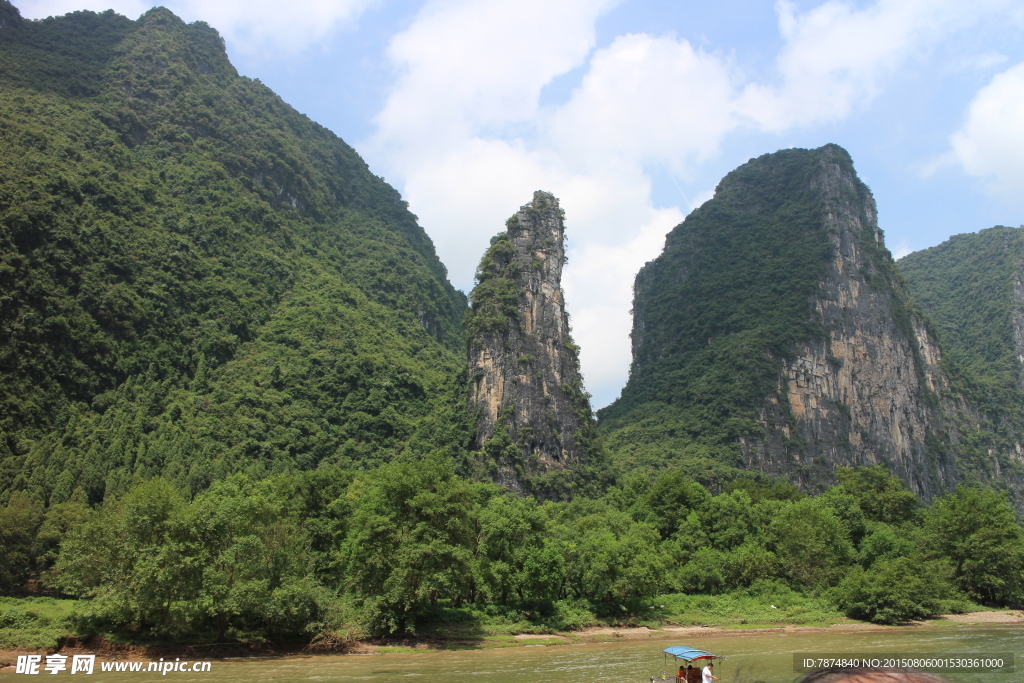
(751, 658)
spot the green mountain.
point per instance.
(775, 334)
(195, 279)
(715, 314)
(972, 288)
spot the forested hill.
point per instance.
(195, 279)
(972, 288)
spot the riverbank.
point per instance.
(127, 651)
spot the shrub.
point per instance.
(892, 591)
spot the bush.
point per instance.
(885, 543)
(893, 591)
(749, 563)
(977, 532)
(704, 573)
(571, 615)
(812, 543)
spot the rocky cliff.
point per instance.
(775, 334)
(868, 389)
(533, 417)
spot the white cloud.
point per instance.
(646, 98)
(990, 145)
(902, 249)
(600, 278)
(837, 56)
(469, 65)
(471, 74)
(980, 62)
(254, 28)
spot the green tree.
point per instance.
(977, 532)
(254, 559)
(729, 520)
(409, 543)
(58, 522)
(515, 562)
(671, 499)
(884, 542)
(611, 560)
(882, 496)
(127, 560)
(750, 562)
(892, 591)
(703, 572)
(811, 542)
(19, 522)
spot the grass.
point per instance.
(768, 604)
(34, 622)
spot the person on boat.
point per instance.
(708, 675)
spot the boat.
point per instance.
(694, 657)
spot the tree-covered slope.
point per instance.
(715, 314)
(195, 279)
(972, 288)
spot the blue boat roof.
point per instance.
(689, 653)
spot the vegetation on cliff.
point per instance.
(197, 280)
(972, 289)
(535, 427)
(715, 315)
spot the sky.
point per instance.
(631, 111)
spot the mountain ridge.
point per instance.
(158, 217)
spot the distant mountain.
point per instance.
(972, 288)
(195, 279)
(775, 334)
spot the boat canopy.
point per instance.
(690, 654)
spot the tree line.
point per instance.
(388, 550)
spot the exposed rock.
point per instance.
(780, 296)
(525, 385)
(868, 392)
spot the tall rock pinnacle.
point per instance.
(525, 385)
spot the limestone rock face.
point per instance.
(870, 390)
(525, 383)
(775, 333)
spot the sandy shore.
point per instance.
(591, 635)
(1002, 617)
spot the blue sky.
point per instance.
(631, 111)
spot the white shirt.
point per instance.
(706, 675)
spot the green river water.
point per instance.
(751, 658)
